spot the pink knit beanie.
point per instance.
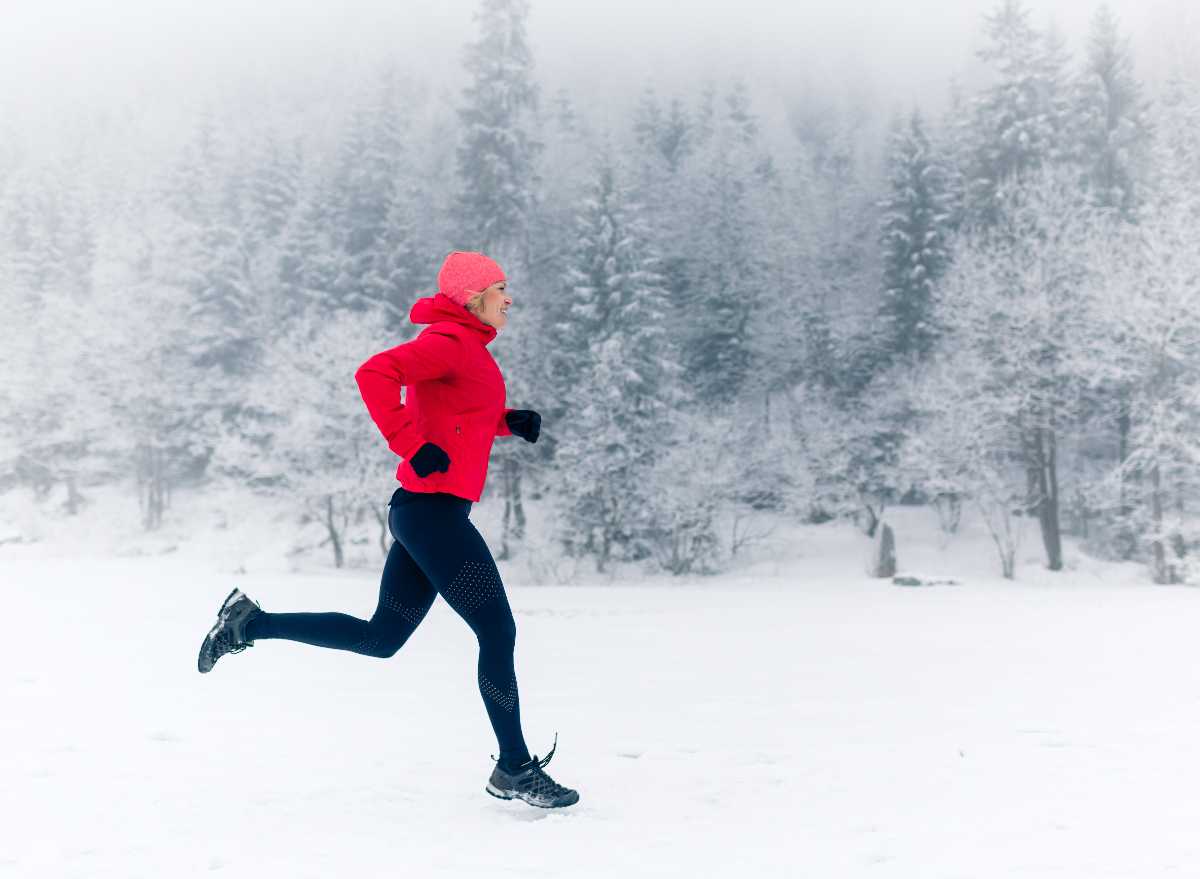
(465, 274)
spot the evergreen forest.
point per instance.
(728, 306)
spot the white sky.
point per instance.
(897, 51)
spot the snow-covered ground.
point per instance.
(789, 718)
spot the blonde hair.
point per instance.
(472, 304)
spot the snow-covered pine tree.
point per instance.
(53, 423)
(272, 185)
(1113, 136)
(308, 256)
(664, 134)
(363, 230)
(916, 219)
(1176, 120)
(417, 233)
(1112, 139)
(568, 146)
(208, 198)
(1020, 122)
(212, 250)
(368, 166)
(496, 155)
(663, 143)
(834, 232)
(831, 346)
(726, 204)
(617, 425)
(1027, 225)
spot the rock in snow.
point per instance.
(914, 580)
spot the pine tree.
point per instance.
(915, 229)
(274, 184)
(48, 238)
(620, 373)
(366, 186)
(1113, 144)
(363, 230)
(273, 187)
(495, 159)
(1113, 136)
(834, 233)
(419, 229)
(222, 306)
(726, 238)
(666, 135)
(1177, 126)
(309, 262)
(1019, 123)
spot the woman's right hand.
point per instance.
(524, 423)
(429, 458)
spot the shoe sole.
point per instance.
(204, 651)
(222, 616)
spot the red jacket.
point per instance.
(455, 397)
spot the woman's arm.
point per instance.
(502, 428)
(431, 355)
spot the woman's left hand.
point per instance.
(524, 423)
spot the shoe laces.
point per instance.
(538, 768)
(546, 762)
(226, 647)
(549, 785)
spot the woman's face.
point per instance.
(493, 310)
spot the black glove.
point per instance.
(524, 423)
(429, 458)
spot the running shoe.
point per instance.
(229, 633)
(529, 782)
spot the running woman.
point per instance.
(444, 432)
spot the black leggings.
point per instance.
(437, 550)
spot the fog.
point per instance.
(723, 219)
(56, 52)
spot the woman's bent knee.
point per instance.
(382, 646)
(500, 636)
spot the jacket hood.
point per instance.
(432, 309)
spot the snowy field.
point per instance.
(791, 718)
